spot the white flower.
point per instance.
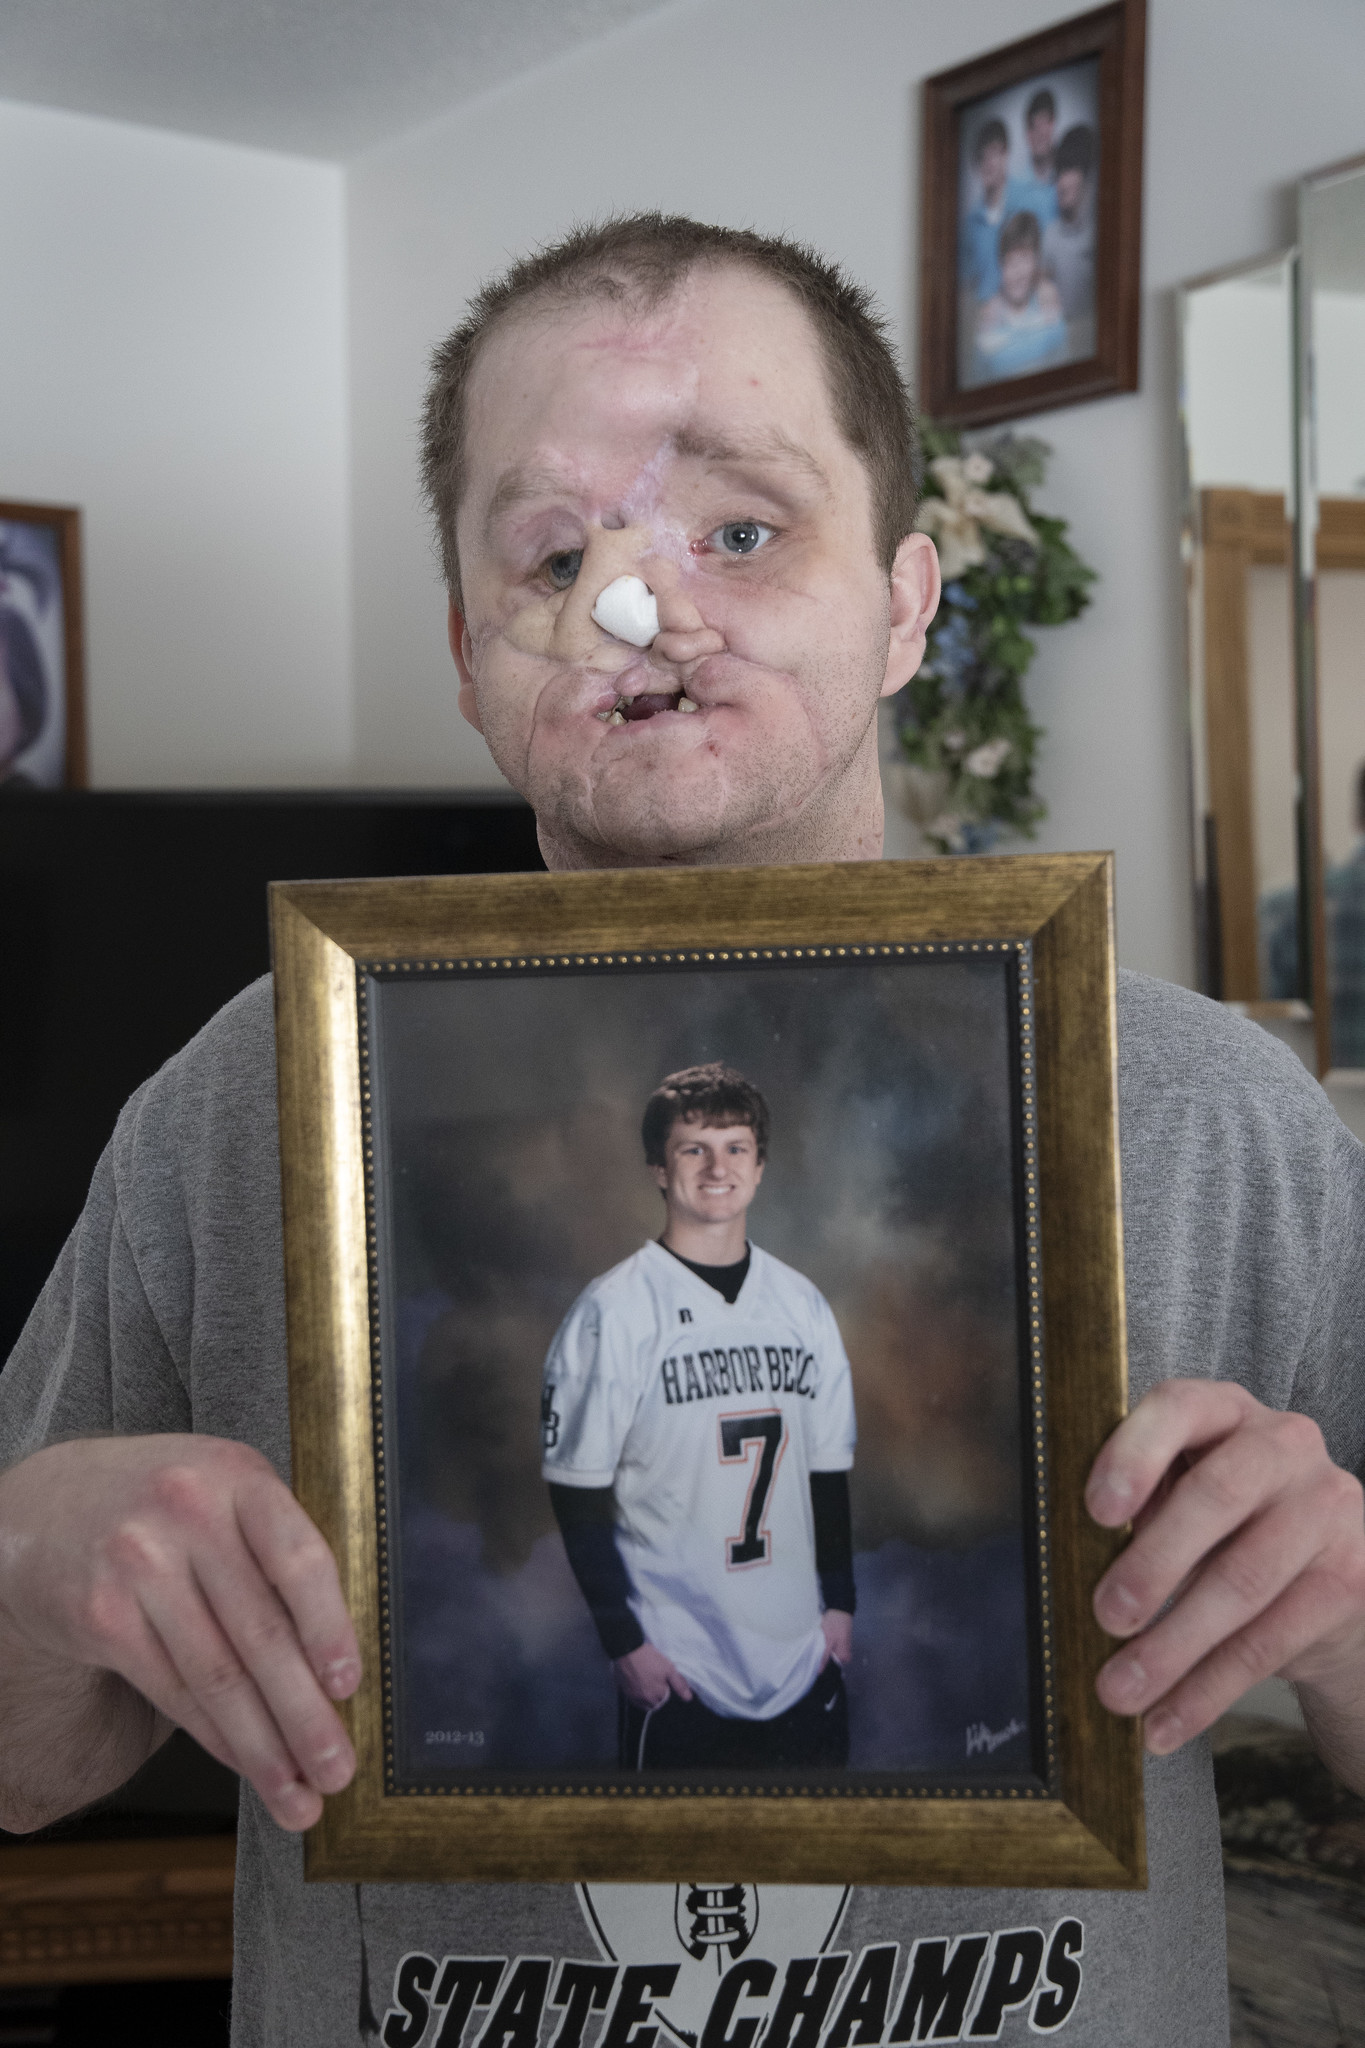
(988, 759)
(947, 826)
(955, 520)
(954, 741)
(978, 468)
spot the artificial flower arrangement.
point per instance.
(968, 740)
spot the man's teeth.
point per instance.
(616, 716)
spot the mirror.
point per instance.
(1236, 332)
(1331, 564)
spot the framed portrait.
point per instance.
(705, 1303)
(42, 676)
(1031, 229)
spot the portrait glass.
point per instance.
(1028, 171)
(562, 1398)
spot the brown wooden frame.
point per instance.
(1117, 36)
(1058, 911)
(65, 520)
(1239, 529)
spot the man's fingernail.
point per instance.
(332, 1768)
(1117, 1605)
(1125, 1681)
(296, 1804)
(341, 1677)
(1109, 1498)
(1163, 1732)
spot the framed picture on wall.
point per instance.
(42, 677)
(1031, 229)
(705, 1302)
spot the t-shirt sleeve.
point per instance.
(92, 1358)
(1329, 1382)
(588, 1396)
(834, 1427)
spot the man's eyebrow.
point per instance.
(517, 485)
(770, 446)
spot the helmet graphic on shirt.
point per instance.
(706, 1928)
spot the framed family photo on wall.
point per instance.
(42, 693)
(705, 1302)
(1030, 247)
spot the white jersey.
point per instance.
(708, 1420)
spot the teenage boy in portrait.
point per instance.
(698, 1432)
(1036, 191)
(1069, 237)
(1020, 328)
(978, 266)
(718, 414)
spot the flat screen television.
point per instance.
(128, 918)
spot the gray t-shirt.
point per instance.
(1244, 1201)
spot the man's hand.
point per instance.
(838, 1628)
(646, 1677)
(1257, 1540)
(182, 1564)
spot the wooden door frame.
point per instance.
(1240, 530)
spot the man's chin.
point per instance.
(642, 820)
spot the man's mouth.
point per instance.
(648, 704)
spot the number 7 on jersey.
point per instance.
(767, 1432)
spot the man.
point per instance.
(1069, 238)
(718, 414)
(699, 1433)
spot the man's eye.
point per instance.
(562, 568)
(739, 537)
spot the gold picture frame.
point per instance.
(1046, 923)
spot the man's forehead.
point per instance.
(728, 367)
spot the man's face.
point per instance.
(992, 168)
(1041, 130)
(710, 1173)
(1018, 276)
(1070, 191)
(695, 447)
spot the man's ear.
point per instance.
(461, 648)
(915, 586)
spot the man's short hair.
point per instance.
(714, 1094)
(638, 260)
(991, 134)
(1021, 231)
(1076, 150)
(1041, 103)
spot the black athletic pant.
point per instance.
(684, 1735)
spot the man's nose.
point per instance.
(610, 552)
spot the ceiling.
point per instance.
(325, 78)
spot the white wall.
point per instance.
(172, 358)
(799, 115)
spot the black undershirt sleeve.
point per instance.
(587, 1521)
(833, 1539)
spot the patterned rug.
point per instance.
(1294, 1860)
